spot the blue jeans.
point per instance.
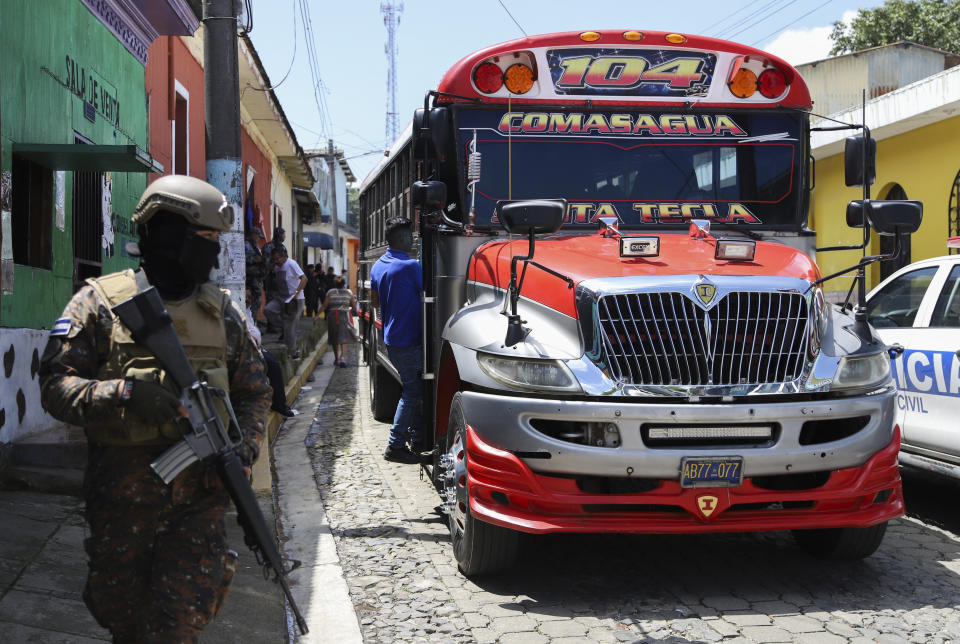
(407, 423)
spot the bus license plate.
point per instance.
(712, 471)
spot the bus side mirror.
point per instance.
(895, 217)
(429, 196)
(431, 133)
(855, 214)
(855, 172)
(534, 217)
(890, 217)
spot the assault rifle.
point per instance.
(207, 439)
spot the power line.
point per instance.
(769, 15)
(367, 144)
(742, 20)
(248, 10)
(728, 16)
(292, 60)
(319, 89)
(365, 154)
(818, 7)
(739, 22)
(370, 143)
(512, 18)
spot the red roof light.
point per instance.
(488, 77)
(772, 83)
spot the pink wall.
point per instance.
(170, 60)
(253, 157)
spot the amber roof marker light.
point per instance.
(518, 78)
(590, 36)
(675, 39)
(632, 35)
(743, 83)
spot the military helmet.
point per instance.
(197, 201)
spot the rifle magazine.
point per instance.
(173, 461)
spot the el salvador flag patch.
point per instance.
(61, 327)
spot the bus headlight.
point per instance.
(523, 373)
(862, 372)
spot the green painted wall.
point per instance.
(35, 107)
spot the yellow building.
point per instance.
(917, 129)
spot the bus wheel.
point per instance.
(479, 548)
(841, 543)
(384, 390)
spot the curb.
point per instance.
(262, 480)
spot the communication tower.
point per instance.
(391, 18)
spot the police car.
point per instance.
(918, 307)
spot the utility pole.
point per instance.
(332, 164)
(221, 117)
(391, 18)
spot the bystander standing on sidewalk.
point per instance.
(396, 281)
(329, 280)
(310, 292)
(287, 306)
(337, 306)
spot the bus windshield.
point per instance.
(647, 169)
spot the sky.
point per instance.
(349, 38)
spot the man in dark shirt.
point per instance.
(330, 279)
(396, 282)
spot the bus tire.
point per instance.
(384, 390)
(480, 548)
(841, 543)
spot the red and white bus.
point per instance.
(623, 325)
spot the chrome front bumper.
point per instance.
(504, 422)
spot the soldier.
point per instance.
(256, 265)
(159, 565)
(270, 279)
(279, 235)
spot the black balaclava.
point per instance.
(174, 257)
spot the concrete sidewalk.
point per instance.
(43, 569)
(43, 565)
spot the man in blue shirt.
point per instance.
(396, 282)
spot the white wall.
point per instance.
(21, 413)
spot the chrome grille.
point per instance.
(666, 339)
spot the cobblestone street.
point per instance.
(394, 548)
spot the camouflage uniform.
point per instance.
(255, 270)
(159, 565)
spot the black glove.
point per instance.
(150, 401)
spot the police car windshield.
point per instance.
(647, 169)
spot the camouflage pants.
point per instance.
(159, 565)
(256, 288)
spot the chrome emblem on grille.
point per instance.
(705, 292)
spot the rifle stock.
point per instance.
(151, 327)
